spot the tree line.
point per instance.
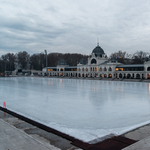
(37, 61)
(23, 60)
(138, 57)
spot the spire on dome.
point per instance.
(97, 41)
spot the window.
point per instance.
(119, 69)
(110, 76)
(93, 61)
(105, 69)
(49, 69)
(120, 75)
(110, 69)
(148, 76)
(138, 76)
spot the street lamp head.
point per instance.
(45, 51)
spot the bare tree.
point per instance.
(9, 61)
(120, 56)
(23, 59)
(139, 57)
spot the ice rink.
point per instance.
(85, 109)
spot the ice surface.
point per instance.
(85, 109)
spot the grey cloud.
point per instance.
(74, 26)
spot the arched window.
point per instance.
(116, 75)
(61, 69)
(110, 69)
(95, 68)
(138, 76)
(128, 76)
(100, 69)
(110, 76)
(105, 69)
(82, 69)
(91, 68)
(120, 75)
(148, 68)
(86, 69)
(93, 61)
(148, 76)
(79, 69)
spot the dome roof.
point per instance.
(83, 61)
(113, 59)
(98, 51)
(62, 62)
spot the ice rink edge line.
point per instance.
(44, 127)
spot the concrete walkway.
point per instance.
(13, 139)
(141, 145)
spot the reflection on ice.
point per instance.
(86, 109)
(149, 88)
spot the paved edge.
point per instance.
(13, 135)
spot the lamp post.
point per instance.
(46, 59)
(46, 56)
(5, 68)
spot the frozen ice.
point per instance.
(85, 109)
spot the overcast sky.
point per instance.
(73, 26)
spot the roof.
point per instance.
(50, 67)
(113, 59)
(98, 50)
(62, 62)
(104, 63)
(83, 61)
(132, 65)
(71, 67)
